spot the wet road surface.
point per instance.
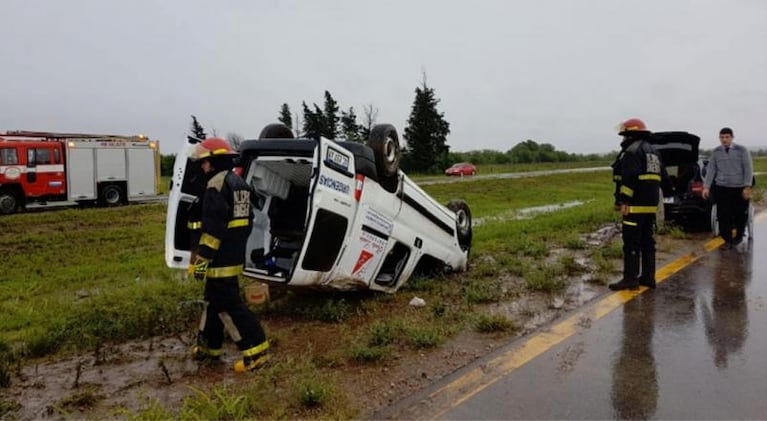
(695, 348)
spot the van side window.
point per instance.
(8, 156)
(327, 239)
(56, 156)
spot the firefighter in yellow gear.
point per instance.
(638, 173)
(225, 219)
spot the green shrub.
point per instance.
(492, 323)
(382, 333)
(368, 353)
(7, 407)
(81, 399)
(614, 250)
(153, 410)
(569, 265)
(425, 336)
(313, 392)
(222, 403)
(482, 291)
(604, 266)
(574, 243)
(438, 309)
(544, 279)
(535, 248)
(334, 311)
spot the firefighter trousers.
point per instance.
(226, 310)
(638, 246)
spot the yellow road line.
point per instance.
(476, 380)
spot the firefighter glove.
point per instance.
(200, 270)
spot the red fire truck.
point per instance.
(103, 169)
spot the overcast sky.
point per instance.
(560, 72)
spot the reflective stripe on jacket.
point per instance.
(226, 224)
(637, 173)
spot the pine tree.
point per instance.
(286, 117)
(426, 133)
(330, 115)
(197, 130)
(313, 121)
(349, 127)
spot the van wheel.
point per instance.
(462, 222)
(385, 144)
(8, 203)
(111, 195)
(276, 131)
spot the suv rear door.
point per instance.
(676, 148)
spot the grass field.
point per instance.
(73, 280)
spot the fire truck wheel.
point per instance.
(8, 203)
(385, 144)
(111, 195)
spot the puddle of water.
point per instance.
(527, 213)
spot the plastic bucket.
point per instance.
(256, 293)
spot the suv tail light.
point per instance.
(696, 187)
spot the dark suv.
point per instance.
(679, 153)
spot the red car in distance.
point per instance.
(461, 168)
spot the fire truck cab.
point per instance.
(45, 167)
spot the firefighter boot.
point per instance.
(630, 271)
(647, 278)
(202, 353)
(253, 358)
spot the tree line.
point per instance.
(425, 149)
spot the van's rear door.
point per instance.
(332, 206)
(187, 183)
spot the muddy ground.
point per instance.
(117, 381)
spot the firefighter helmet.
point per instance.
(632, 126)
(210, 148)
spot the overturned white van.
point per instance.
(332, 215)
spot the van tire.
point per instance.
(8, 203)
(276, 131)
(385, 144)
(364, 159)
(462, 222)
(111, 195)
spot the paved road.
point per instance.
(695, 348)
